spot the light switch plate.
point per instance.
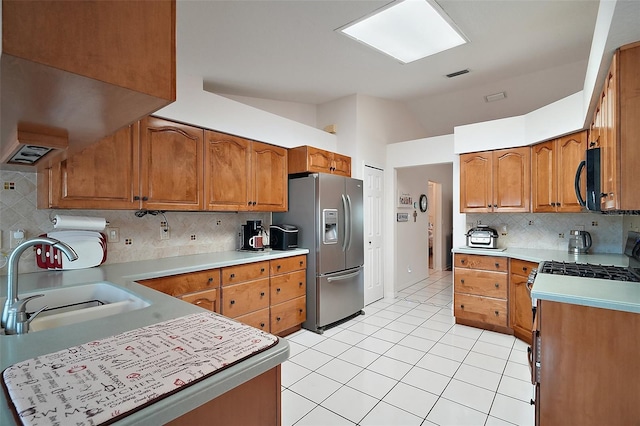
(113, 235)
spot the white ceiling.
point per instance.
(534, 50)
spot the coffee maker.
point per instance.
(579, 241)
(252, 235)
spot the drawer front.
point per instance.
(176, 285)
(241, 273)
(474, 261)
(258, 319)
(522, 267)
(288, 264)
(207, 299)
(481, 283)
(288, 314)
(483, 309)
(288, 286)
(241, 299)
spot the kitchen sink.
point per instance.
(73, 304)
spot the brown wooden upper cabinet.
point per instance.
(306, 158)
(87, 68)
(244, 175)
(495, 181)
(155, 164)
(553, 168)
(616, 130)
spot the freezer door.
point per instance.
(354, 229)
(339, 295)
(330, 236)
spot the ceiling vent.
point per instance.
(495, 97)
(457, 73)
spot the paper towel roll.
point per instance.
(79, 222)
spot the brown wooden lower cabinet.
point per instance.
(589, 366)
(256, 402)
(258, 319)
(487, 310)
(288, 314)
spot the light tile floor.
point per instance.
(406, 362)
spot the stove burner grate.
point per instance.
(587, 270)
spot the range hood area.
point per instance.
(116, 65)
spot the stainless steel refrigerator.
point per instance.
(328, 212)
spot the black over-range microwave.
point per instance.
(592, 166)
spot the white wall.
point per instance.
(298, 112)
(343, 114)
(204, 109)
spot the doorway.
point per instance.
(373, 243)
(435, 257)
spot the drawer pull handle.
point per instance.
(301, 310)
(462, 261)
(497, 265)
(489, 205)
(232, 275)
(497, 285)
(145, 198)
(210, 280)
(462, 281)
(461, 306)
(278, 267)
(300, 284)
(497, 313)
(262, 294)
(233, 302)
(278, 318)
(524, 268)
(301, 262)
(261, 269)
(261, 325)
(136, 198)
(495, 205)
(277, 290)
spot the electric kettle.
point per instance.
(579, 241)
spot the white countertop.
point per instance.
(607, 294)
(162, 307)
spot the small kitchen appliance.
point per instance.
(283, 237)
(579, 241)
(252, 236)
(482, 237)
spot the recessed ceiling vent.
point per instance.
(495, 97)
(457, 73)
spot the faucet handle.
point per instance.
(18, 321)
(20, 305)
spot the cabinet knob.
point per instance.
(232, 276)
(300, 284)
(277, 290)
(497, 265)
(463, 261)
(210, 280)
(301, 262)
(145, 198)
(254, 203)
(461, 306)
(497, 285)
(278, 318)
(136, 198)
(233, 302)
(495, 205)
(262, 294)
(462, 281)
(301, 310)
(489, 205)
(278, 267)
(261, 269)
(497, 313)
(524, 268)
(261, 325)
(248, 203)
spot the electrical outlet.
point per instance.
(113, 235)
(561, 235)
(594, 223)
(165, 233)
(16, 237)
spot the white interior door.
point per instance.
(373, 237)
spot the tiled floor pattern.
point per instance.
(406, 362)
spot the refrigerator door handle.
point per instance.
(349, 218)
(347, 224)
(343, 277)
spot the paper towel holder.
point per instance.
(52, 218)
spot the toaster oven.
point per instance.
(482, 237)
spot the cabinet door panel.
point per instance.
(341, 165)
(319, 160)
(241, 299)
(543, 171)
(475, 182)
(512, 180)
(227, 169)
(269, 177)
(171, 166)
(205, 299)
(102, 176)
(571, 151)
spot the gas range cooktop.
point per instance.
(587, 270)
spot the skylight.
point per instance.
(407, 30)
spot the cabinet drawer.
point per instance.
(481, 283)
(522, 267)
(241, 299)
(258, 319)
(288, 264)
(288, 286)
(176, 285)
(483, 309)
(288, 314)
(252, 271)
(474, 261)
(207, 299)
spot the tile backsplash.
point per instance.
(190, 232)
(551, 230)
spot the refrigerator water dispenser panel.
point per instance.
(330, 226)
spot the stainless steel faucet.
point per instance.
(14, 315)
